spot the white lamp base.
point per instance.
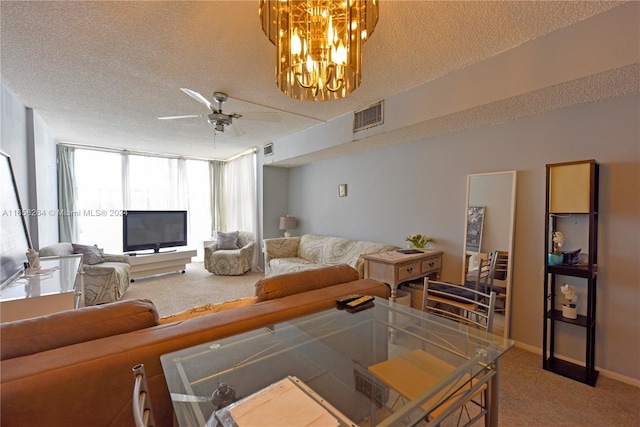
(287, 233)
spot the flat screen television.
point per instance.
(15, 239)
(153, 230)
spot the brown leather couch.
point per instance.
(74, 368)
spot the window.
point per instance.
(108, 183)
(98, 186)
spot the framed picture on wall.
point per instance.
(475, 220)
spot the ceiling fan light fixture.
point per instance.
(318, 44)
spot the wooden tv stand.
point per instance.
(143, 265)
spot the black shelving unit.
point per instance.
(571, 190)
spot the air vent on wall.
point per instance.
(268, 149)
(369, 117)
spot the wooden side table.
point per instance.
(394, 267)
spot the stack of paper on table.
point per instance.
(281, 404)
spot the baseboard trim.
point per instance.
(604, 372)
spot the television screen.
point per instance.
(154, 230)
(15, 238)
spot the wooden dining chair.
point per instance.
(142, 413)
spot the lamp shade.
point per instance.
(288, 222)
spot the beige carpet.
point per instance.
(529, 395)
(175, 292)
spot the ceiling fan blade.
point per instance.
(195, 95)
(236, 130)
(263, 116)
(180, 117)
(176, 397)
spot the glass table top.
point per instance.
(347, 365)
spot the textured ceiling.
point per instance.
(101, 72)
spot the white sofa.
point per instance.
(290, 254)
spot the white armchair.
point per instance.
(225, 258)
(105, 281)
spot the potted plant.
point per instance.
(555, 257)
(419, 241)
(569, 310)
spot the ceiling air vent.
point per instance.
(369, 117)
(268, 149)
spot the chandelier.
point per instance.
(318, 44)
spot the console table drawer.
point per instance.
(431, 265)
(408, 271)
(395, 267)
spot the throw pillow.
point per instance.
(90, 254)
(228, 240)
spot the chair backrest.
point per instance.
(244, 237)
(142, 413)
(502, 263)
(485, 274)
(464, 305)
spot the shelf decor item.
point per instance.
(569, 310)
(419, 241)
(556, 257)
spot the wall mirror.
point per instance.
(489, 227)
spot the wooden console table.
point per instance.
(394, 267)
(163, 262)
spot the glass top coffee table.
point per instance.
(386, 365)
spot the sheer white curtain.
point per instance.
(198, 198)
(98, 187)
(107, 183)
(240, 194)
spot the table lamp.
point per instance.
(288, 223)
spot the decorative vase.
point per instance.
(569, 312)
(554, 259)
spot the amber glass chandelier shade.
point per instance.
(318, 44)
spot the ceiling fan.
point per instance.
(221, 120)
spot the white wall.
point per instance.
(276, 200)
(26, 138)
(13, 137)
(420, 188)
(43, 179)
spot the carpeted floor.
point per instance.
(172, 293)
(529, 395)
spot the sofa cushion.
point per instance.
(293, 262)
(227, 240)
(90, 254)
(37, 334)
(56, 249)
(201, 310)
(303, 281)
(337, 250)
